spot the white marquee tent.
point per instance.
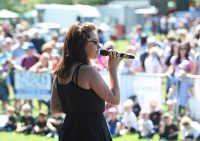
(4, 14)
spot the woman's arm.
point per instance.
(194, 68)
(55, 102)
(112, 94)
(96, 82)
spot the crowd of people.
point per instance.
(176, 53)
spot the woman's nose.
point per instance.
(99, 45)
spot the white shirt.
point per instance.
(129, 119)
(194, 130)
(145, 126)
(133, 65)
(152, 65)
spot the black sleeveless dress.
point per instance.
(84, 119)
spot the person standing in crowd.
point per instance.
(11, 67)
(177, 71)
(79, 90)
(100, 36)
(4, 92)
(54, 55)
(37, 41)
(43, 65)
(163, 25)
(150, 56)
(153, 62)
(183, 54)
(137, 34)
(130, 66)
(184, 87)
(101, 62)
(18, 49)
(2, 35)
(170, 50)
(30, 58)
(5, 53)
(196, 66)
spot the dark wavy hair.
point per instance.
(185, 45)
(74, 47)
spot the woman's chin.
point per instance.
(94, 57)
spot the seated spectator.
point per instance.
(113, 122)
(155, 115)
(11, 123)
(145, 125)
(107, 107)
(168, 130)
(41, 125)
(129, 120)
(27, 121)
(190, 130)
(54, 124)
(136, 105)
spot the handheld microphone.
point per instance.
(105, 52)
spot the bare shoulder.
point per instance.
(88, 70)
(87, 74)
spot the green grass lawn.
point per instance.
(12, 136)
(121, 45)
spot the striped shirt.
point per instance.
(183, 86)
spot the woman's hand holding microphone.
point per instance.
(114, 60)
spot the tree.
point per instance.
(182, 5)
(21, 6)
(90, 2)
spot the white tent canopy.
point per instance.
(83, 10)
(87, 11)
(4, 14)
(151, 10)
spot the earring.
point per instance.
(67, 53)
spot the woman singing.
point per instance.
(79, 90)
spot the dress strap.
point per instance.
(75, 74)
